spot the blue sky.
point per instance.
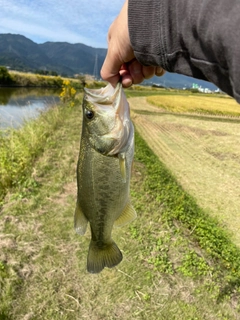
(74, 21)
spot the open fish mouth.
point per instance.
(109, 96)
(104, 96)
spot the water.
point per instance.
(21, 104)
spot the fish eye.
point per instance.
(89, 114)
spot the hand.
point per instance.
(120, 60)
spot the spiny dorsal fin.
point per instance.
(80, 221)
(122, 164)
(127, 216)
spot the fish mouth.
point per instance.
(110, 96)
(104, 96)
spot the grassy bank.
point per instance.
(19, 148)
(22, 79)
(178, 262)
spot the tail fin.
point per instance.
(107, 256)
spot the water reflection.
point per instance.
(20, 104)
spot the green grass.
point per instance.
(143, 91)
(22, 79)
(179, 206)
(20, 148)
(178, 262)
(139, 91)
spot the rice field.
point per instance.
(202, 151)
(206, 104)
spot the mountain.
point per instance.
(21, 53)
(176, 80)
(79, 57)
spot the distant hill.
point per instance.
(179, 81)
(21, 53)
(78, 57)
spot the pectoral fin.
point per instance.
(80, 221)
(122, 163)
(127, 216)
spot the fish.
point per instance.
(103, 173)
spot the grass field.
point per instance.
(178, 263)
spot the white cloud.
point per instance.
(85, 21)
(41, 33)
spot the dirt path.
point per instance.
(202, 153)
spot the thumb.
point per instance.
(110, 68)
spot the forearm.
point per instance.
(195, 38)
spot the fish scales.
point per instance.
(103, 173)
(104, 194)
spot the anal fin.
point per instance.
(80, 221)
(127, 216)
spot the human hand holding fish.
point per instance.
(103, 173)
(120, 62)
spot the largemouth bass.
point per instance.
(103, 173)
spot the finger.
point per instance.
(135, 70)
(110, 69)
(148, 72)
(119, 47)
(125, 75)
(159, 71)
(127, 80)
